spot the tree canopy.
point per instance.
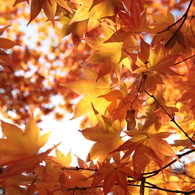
(130, 63)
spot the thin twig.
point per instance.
(168, 28)
(153, 186)
(152, 173)
(183, 18)
(171, 117)
(184, 60)
(78, 168)
(149, 185)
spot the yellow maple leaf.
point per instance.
(92, 89)
(82, 12)
(106, 135)
(63, 159)
(20, 144)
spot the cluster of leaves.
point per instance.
(133, 64)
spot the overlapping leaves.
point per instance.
(145, 147)
(106, 135)
(115, 33)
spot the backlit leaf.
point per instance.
(65, 160)
(49, 8)
(35, 8)
(6, 43)
(106, 136)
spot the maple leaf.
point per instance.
(82, 12)
(101, 10)
(113, 97)
(154, 63)
(113, 49)
(19, 144)
(110, 173)
(106, 135)
(64, 4)
(93, 12)
(161, 22)
(131, 47)
(35, 9)
(77, 29)
(49, 7)
(159, 61)
(5, 58)
(105, 68)
(150, 146)
(188, 95)
(6, 43)
(93, 89)
(3, 29)
(15, 190)
(135, 20)
(184, 143)
(161, 113)
(111, 53)
(64, 160)
(10, 184)
(120, 111)
(59, 116)
(24, 164)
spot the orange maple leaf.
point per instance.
(92, 89)
(185, 143)
(5, 44)
(93, 12)
(161, 113)
(64, 4)
(101, 10)
(135, 21)
(20, 144)
(49, 7)
(110, 173)
(106, 135)
(82, 13)
(25, 164)
(146, 147)
(63, 159)
(161, 22)
(113, 49)
(189, 95)
(157, 59)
